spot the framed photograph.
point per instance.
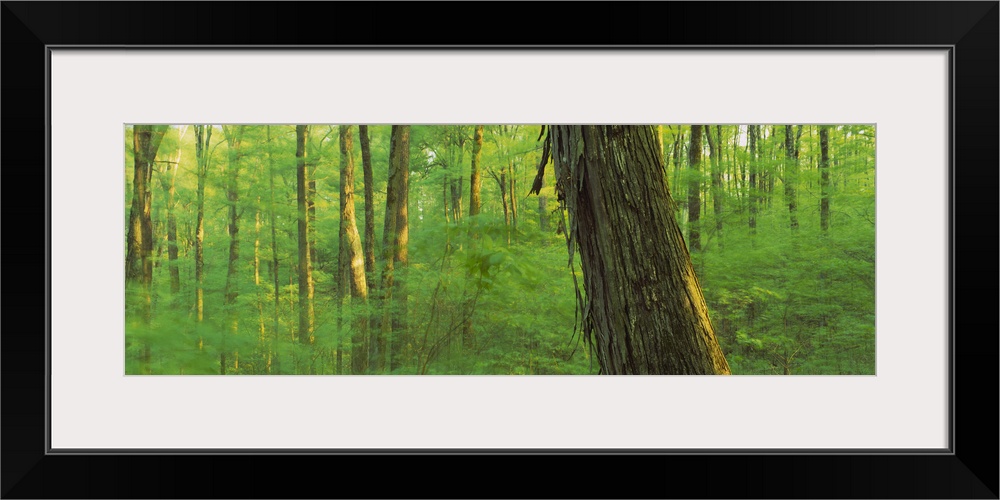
(210, 301)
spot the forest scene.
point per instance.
(291, 249)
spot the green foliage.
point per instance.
(490, 294)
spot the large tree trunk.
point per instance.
(366, 165)
(138, 259)
(305, 260)
(791, 179)
(475, 175)
(824, 178)
(351, 264)
(694, 189)
(646, 312)
(395, 238)
(203, 136)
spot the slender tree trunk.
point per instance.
(203, 136)
(510, 192)
(256, 243)
(258, 224)
(351, 266)
(394, 246)
(374, 340)
(767, 172)
(647, 314)
(369, 242)
(753, 198)
(740, 184)
(401, 256)
(234, 139)
(384, 340)
(694, 189)
(824, 178)
(502, 184)
(168, 181)
(275, 263)
(305, 257)
(455, 145)
(715, 150)
(274, 236)
(445, 195)
(456, 184)
(311, 210)
(475, 186)
(791, 179)
(475, 177)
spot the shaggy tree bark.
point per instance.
(644, 312)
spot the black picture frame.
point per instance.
(967, 470)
